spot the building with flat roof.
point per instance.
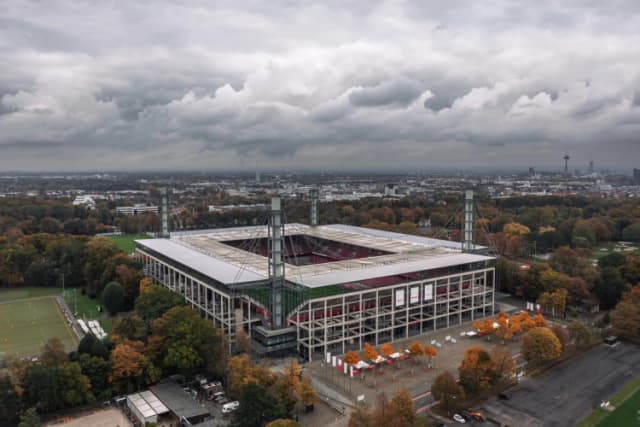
(146, 407)
(337, 286)
(137, 209)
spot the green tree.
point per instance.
(258, 406)
(10, 404)
(155, 301)
(113, 297)
(131, 327)
(97, 370)
(609, 288)
(30, 418)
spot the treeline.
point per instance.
(159, 339)
(45, 260)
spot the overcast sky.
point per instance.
(350, 84)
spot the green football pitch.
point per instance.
(627, 414)
(27, 324)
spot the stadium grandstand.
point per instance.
(322, 288)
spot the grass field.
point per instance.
(627, 402)
(28, 323)
(600, 251)
(125, 242)
(24, 293)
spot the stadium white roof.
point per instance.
(206, 252)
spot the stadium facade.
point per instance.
(339, 286)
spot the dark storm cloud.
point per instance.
(317, 85)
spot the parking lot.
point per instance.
(565, 394)
(415, 377)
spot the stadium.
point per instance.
(322, 288)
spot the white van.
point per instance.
(229, 407)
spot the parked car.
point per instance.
(230, 407)
(503, 396)
(459, 418)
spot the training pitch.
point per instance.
(28, 324)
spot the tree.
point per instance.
(126, 369)
(282, 422)
(504, 367)
(97, 370)
(446, 390)
(416, 350)
(579, 333)
(155, 301)
(610, 287)
(308, 394)
(243, 342)
(131, 327)
(431, 352)
(368, 352)
(361, 417)
(404, 412)
(113, 297)
(191, 343)
(476, 370)
(30, 418)
(351, 358)
(10, 404)
(241, 371)
(386, 349)
(53, 353)
(625, 318)
(540, 345)
(562, 334)
(287, 386)
(539, 321)
(258, 406)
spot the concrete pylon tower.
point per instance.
(164, 212)
(276, 262)
(467, 245)
(566, 164)
(314, 195)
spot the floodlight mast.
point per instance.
(276, 262)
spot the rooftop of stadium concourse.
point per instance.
(209, 252)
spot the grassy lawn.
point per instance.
(25, 293)
(28, 323)
(627, 402)
(125, 242)
(600, 251)
(87, 308)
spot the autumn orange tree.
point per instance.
(416, 350)
(351, 358)
(476, 370)
(368, 352)
(625, 318)
(431, 352)
(386, 349)
(398, 411)
(540, 345)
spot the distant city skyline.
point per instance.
(334, 85)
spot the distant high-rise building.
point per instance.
(532, 172)
(591, 166)
(566, 164)
(636, 176)
(257, 176)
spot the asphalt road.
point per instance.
(562, 396)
